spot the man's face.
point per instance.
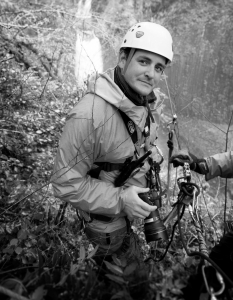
(144, 71)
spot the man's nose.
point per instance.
(150, 72)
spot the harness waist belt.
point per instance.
(113, 238)
(101, 218)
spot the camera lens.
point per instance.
(154, 228)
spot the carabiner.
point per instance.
(210, 289)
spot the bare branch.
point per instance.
(11, 294)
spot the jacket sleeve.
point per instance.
(78, 149)
(220, 165)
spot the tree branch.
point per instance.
(11, 294)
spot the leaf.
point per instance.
(116, 260)
(56, 257)
(123, 262)
(176, 291)
(115, 278)
(179, 284)
(93, 252)
(121, 295)
(14, 285)
(38, 216)
(130, 269)
(8, 250)
(82, 252)
(14, 242)
(18, 250)
(39, 293)
(28, 244)
(115, 269)
(22, 234)
(63, 280)
(73, 268)
(10, 228)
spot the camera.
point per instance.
(154, 228)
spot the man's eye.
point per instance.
(159, 69)
(143, 62)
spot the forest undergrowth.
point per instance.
(44, 253)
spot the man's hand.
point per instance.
(180, 157)
(134, 206)
(198, 165)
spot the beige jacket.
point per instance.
(95, 132)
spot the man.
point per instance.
(217, 165)
(95, 133)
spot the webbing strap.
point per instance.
(131, 128)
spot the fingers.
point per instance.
(139, 190)
(139, 212)
(134, 206)
(147, 208)
(177, 162)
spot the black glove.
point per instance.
(198, 165)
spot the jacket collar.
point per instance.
(104, 86)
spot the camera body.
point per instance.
(153, 225)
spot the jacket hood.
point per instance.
(104, 86)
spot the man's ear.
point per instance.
(122, 60)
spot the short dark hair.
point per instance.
(127, 51)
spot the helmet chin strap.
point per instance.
(131, 54)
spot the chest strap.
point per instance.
(131, 128)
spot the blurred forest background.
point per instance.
(48, 49)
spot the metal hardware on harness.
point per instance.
(193, 210)
(153, 174)
(171, 126)
(159, 152)
(210, 289)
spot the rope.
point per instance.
(193, 210)
(201, 240)
(169, 96)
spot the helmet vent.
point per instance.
(125, 41)
(139, 34)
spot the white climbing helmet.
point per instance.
(150, 37)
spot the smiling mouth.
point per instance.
(146, 82)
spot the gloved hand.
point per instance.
(134, 206)
(198, 165)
